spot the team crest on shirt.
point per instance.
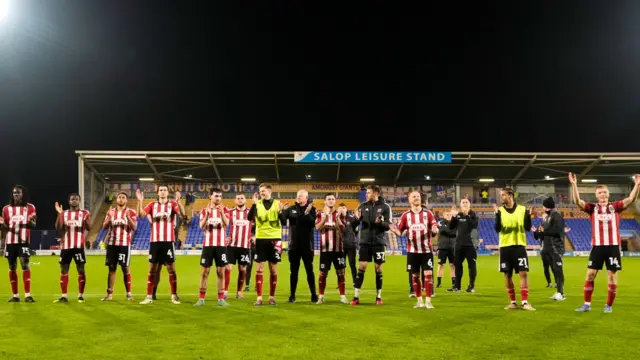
(17, 218)
(611, 209)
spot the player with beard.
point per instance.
(330, 223)
(419, 224)
(121, 223)
(605, 238)
(375, 216)
(162, 248)
(17, 220)
(213, 221)
(512, 220)
(238, 244)
(75, 223)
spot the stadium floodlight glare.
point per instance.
(486, 180)
(367, 179)
(146, 179)
(4, 9)
(188, 176)
(248, 179)
(427, 177)
(589, 180)
(547, 177)
(308, 176)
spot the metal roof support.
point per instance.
(338, 173)
(466, 163)
(398, 174)
(275, 159)
(215, 168)
(591, 166)
(153, 167)
(521, 172)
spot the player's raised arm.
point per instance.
(107, 219)
(223, 215)
(59, 223)
(634, 192)
(141, 209)
(181, 210)
(88, 222)
(204, 216)
(132, 220)
(321, 218)
(575, 192)
(339, 222)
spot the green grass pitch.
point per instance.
(462, 326)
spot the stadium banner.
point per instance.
(240, 187)
(581, 253)
(421, 157)
(631, 253)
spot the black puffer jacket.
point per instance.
(446, 236)
(372, 233)
(552, 236)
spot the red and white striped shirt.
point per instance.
(16, 219)
(240, 228)
(163, 220)
(418, 226)
(605, 223)
(120, 231)
(74, 228)
(330, 236)
(213, 230)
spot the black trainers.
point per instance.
(29, 299)
(62, 299)
(470, 289)
(292, 299)
(14, 299)
(438, 286)
(453, 290)
(246, 288)
(314, 298)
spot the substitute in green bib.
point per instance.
(267, 214)
(512, 220)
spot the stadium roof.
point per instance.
(279, 166)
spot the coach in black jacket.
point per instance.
(302, 220)
(375, 216)
(551, 233)
(464, 222)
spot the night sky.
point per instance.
(237, 75)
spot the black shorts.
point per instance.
(76, 255)
(266, 251)
(445, 255)
(513, 258)
(609, 256)
(415, 262)
(118, 255)
(238, 255)
(372, 253)
(14, 251)
(335, 258)
(213, 253)
(162, 252)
